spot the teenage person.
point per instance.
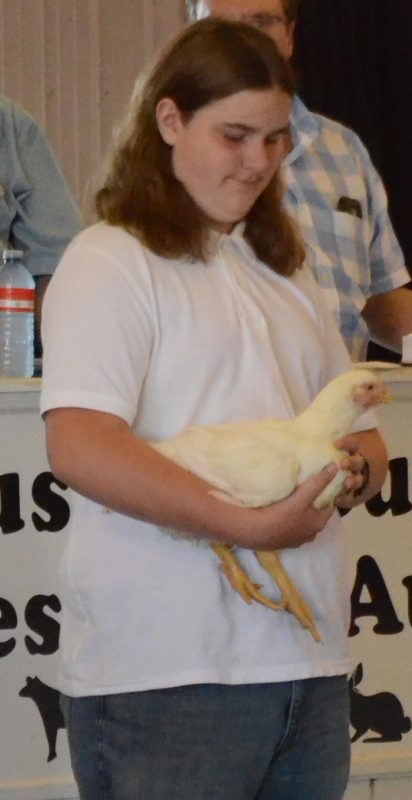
(193, 308)
(337, 197)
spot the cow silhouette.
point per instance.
(48, 705)
(381, 713)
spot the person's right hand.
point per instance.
(293, 521)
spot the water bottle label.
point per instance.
(13, 299)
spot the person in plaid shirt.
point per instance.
(338, 199)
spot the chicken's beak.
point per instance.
(386, 396)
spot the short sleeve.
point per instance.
(97, 332)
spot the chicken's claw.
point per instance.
(238, 578)
(292, 600)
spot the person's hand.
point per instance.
(293, 521)
(356, 464)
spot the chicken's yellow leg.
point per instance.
(292, 600)
(238, 578)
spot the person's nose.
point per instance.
(255, 156)
(261, 156)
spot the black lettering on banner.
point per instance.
(54, 504)
(10, 519)
(8, 621)
(408, 583)
(369, 576)
(39, 622)
(398, 502)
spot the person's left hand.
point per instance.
(355, 462)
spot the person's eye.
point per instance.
(234, 137)
(263, 23)
(276, 138)
(266, 21)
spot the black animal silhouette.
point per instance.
(47, 702)
(381, 713)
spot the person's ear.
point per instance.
(290, 34)
(169, 120)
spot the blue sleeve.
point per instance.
(37, 212)
(386, 260)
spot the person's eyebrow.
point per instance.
(239, 126)
(262, 16)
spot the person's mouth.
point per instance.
(249, 184)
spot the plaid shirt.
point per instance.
(353, 252)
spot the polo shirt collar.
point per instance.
(236, 239)
(304, 129)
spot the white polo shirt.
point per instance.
(164, 344)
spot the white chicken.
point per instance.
(257, 463)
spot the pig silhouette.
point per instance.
(47, 702)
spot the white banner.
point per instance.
(34, 760)
(34, 513)
(381, 637)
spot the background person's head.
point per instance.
(276, 18)
(149, 193)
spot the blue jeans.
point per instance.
(277, 741)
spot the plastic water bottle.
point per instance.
(16, 317)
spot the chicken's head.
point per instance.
(368, 390)
(342, 401)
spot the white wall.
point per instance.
(72, 65)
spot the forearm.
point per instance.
(370, 446)
(111, 466)
(98, 456)
(389, 317)
(374, 450)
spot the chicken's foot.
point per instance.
(292, 599)
(238, 578)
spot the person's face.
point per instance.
(267, 15)
(228, 152)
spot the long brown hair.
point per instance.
(210, 60)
